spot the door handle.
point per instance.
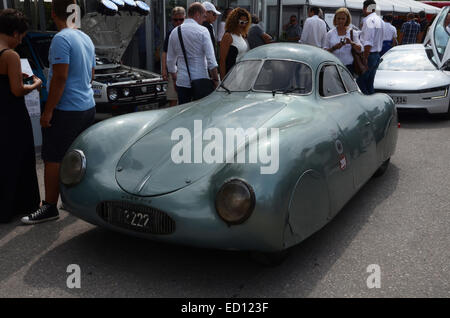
(367, 124)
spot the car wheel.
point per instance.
(270, 259)
(382, 169)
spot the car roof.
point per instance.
(308, 54)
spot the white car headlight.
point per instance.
(235, 202)
(73, 167)
(126, 92)
(112, 94)
(164, 87)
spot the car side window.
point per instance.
(330, 83)
(348, 80)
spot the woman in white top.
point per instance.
(338, 40)
(233, 44)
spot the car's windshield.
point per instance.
(415, 60)
(274, 75)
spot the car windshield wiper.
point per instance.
(223, 86)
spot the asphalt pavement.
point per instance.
(399, 222)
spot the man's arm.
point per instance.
(402, 32)
(171, 59)
(57, 85)
(394, 39)
(266, 38)
(366, 37)
(210, 58)
(164, 65)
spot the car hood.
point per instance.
(147, 168)
(410, 81)
(111, 34)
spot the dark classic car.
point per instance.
(118, 88)
(304, 141)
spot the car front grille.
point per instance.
(113, 212)
(144, 90)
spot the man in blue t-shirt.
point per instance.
(70, 106)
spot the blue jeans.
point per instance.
(365, 81)
(184, 95)
(387, 45)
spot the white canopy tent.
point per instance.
(271, 11)
(395, 6)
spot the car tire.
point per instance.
(271, 259)
(382, 169)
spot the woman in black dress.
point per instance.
(19, 188)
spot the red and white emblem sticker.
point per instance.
(342, 162)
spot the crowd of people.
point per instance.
(239, 32)
(194, 60)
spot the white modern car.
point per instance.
(417, 76)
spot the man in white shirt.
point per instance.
(390, 34)
(199, 53)
(371, 37)
(314, 30)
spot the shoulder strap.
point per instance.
(351, 34)
(1, 52)
(180, 37)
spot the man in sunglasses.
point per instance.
(293, 29)
(211, 17)
(178, 16)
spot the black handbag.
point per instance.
(200, 87)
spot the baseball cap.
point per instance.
(210, 7)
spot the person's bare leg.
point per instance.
(51, 181)
(173, 103)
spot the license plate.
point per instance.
(136, 217)
(147, 107)
(137, 220)
(400, 100)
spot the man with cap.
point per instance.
(211, 16)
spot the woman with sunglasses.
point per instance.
(233, 44)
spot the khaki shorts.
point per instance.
(171, 92)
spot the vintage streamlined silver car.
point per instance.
(319, 140)
(417, 76)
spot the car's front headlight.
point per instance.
(73, 167)
(126, 92)
(112, 94)
(164, 87)
(235, 202)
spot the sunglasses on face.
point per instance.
(213, 13)
(178, 20)
(241, 22)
